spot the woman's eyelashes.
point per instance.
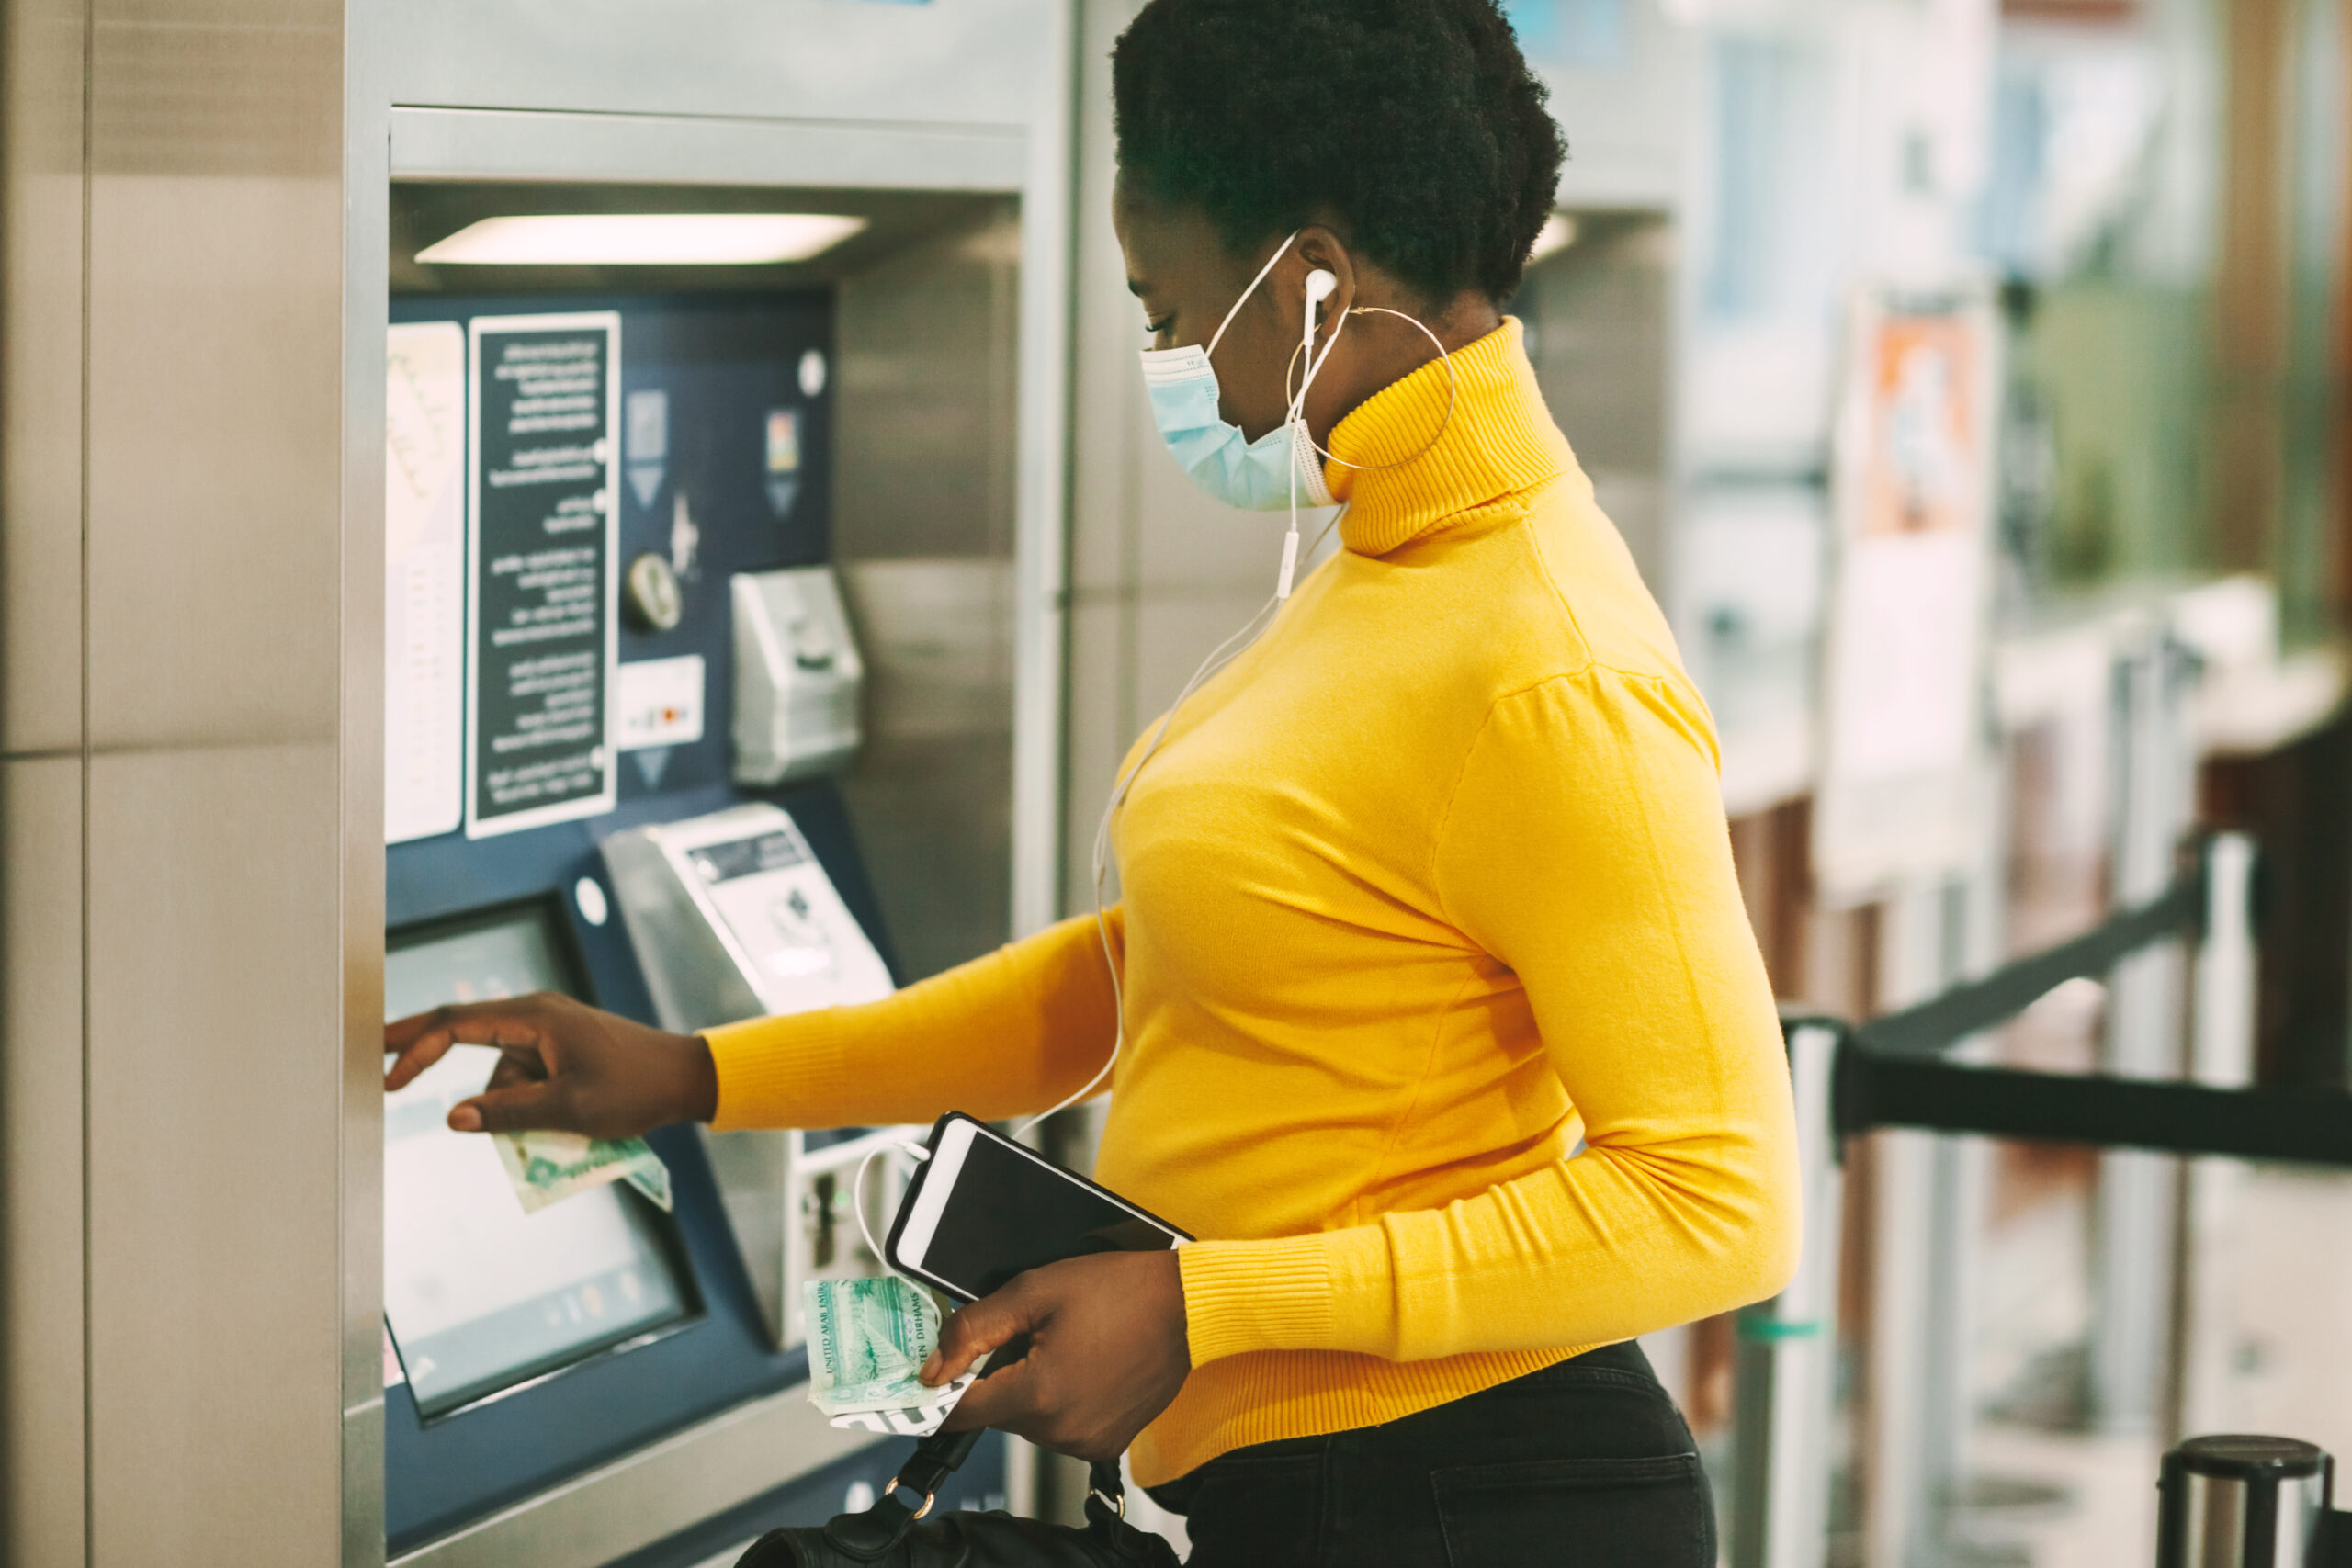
(1161, 328)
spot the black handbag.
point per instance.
(892, 1534)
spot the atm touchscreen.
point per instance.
(479, 1295)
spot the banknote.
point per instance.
(914, 1420)
(548, 1167)
(867, 1338)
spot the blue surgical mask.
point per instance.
(1278, 470)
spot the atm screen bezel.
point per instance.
(458, 1466)
(546, 909)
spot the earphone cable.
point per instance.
(1293, 420)
(1219, 657)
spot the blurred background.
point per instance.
(1967, 379)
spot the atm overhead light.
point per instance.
(643, 239)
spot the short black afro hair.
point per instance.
(1415, 122)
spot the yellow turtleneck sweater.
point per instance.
(1426, 889)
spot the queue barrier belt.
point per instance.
(1975, 1006)
(1892, 1072)
(2312, 1126)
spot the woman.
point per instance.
(1444, 1025)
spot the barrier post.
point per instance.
(2135, 1233)
(1787, 1368)
(2243, 1501)
(2221, 1054)
(1902, 1440)
(1909, 1072)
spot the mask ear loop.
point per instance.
(1453, 388)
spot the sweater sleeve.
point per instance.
(1007, 1034)
(1585, 847)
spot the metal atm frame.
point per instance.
(193, 281)
(741, 1452)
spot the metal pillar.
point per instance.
(1927, 1215)
(2221, 1054)
(1922, 1325)
(2132, 1237)
(1788, 1353)
(1908, 1238)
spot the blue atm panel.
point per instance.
(726, 455)
(525, 1357)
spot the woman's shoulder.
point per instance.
(1555, 592)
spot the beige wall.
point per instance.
(189, 916)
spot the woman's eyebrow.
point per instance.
(1139, 287)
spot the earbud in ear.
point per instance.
(1319, 285)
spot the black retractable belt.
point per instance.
(1893, 1071)
(1979, 1005)
(2311, 1126)
(895, 1535)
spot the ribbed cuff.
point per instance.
(1296, 1293)
(774, 1072)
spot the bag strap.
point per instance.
(935, 1459)
(1106, 1495)
(940, 1455)
(869, 1535)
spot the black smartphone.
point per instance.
(982, 1208)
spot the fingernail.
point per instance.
(929, 1373)
(465, 1119)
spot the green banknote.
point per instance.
(866, 1340)
(548, 1167)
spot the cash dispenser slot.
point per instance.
(732, 917)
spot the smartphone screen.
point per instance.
(1006, 1212)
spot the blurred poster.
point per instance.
(1902, 787)
(425, 579)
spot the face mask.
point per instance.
(1280, 468)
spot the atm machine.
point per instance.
(713, 667)
(622, 682)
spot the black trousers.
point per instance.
(1586, 1464)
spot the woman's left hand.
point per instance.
(1107, 1352)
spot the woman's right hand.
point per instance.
(563, 1066)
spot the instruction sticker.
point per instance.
(544, 635)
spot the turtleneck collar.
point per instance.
(1499, 440)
